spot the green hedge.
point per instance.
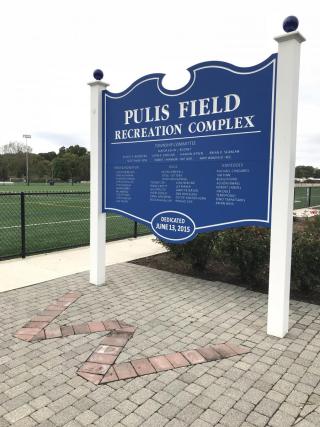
(197, 252)
(248, 250)
(305, 272)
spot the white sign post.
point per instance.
(283, 182)
(97, 218)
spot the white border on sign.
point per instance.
(272, 62)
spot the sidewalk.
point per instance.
(18, 272)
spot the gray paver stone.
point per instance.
(147, 408)
(267, 407)
(110, 419)
(132, 420)
(18, 413)
(156, 420)
(42, 414)
(281, 419)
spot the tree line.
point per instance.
(307, 172)
(72, 163)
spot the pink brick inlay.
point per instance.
(101, 367)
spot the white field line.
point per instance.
(317, 207)
(61, 204)
(47, 204)
(55, 222)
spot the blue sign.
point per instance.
(196, 159)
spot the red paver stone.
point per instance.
(73, 294)
(81, 329)
(50, 314)
(224, 350)
(106, 359)
(67, 298)
(93, 378)
(209, 353)
(110, 376)
(56, 305)
(28, 331)
(123, 324)
(117, 340)
(108, 349)
(65, 301)
(125, 371)
(193, 356)
(160, 363)
(37, 325)
(53, 332)
(177, 360)
(124, 327)
(96, 326)
(94, 368)
(239, 350)
(70, 300)
(25, 337)
(40, 336)
(66, 331)
(110, 325)
(143, 366)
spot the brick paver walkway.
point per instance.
(276, 384)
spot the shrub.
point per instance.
(177, 251)
(305, 273)
(247, 248)
(197, 252)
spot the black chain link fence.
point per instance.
(41, 222)
(45, 221)
(305, 197)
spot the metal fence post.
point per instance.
(309, 196)
(23, 224)
(135, 229)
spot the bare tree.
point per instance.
(15, 147)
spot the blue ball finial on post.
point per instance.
(290, 24)
(98, 74)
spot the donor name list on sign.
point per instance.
(195, 159)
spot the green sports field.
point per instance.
(53, 219)
(18, 187)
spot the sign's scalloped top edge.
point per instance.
(158, 77)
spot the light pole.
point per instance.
(27, 157)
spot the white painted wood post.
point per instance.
(97, 218)
(283, 182)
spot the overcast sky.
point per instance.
(49, 50)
